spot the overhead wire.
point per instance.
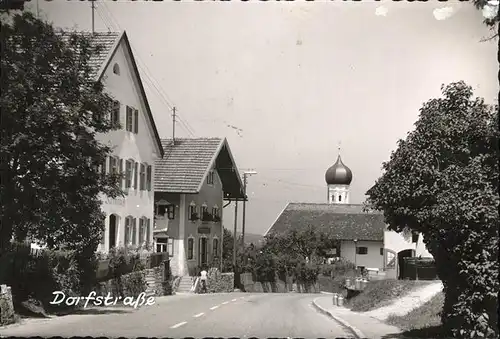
(148, 79)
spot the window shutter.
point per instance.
(111, 159)
(136, 174)
(121, 173)
(148, 178)
(136, 121)
(148, 230)
(128, 119)
(134, 231)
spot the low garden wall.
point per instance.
(218, 282)
(7, 315)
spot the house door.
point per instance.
(203, 251)
(112, 230)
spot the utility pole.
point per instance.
(93, 8)
(234, 233)
(245, 174)
(174, 110)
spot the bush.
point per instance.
(133, 284)
(37, 276)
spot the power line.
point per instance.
(149, 79)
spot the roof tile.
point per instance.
(343, 222)
(184, 164)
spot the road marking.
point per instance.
(225, 302)
(234, 299)
(199, 315)
(213, 308)
(179, 324)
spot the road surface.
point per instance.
(241, 315)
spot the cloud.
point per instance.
(443, 13)
(381, 11)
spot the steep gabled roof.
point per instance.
(108, 44)
(342, 221)
(186, 164)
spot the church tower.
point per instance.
(338, 178)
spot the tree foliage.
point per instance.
(442, 181)
(51, 114)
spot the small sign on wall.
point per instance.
(203, 230)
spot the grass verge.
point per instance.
(380, 293)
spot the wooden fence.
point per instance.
(419, 269)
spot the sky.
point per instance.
(286, 82)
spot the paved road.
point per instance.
(240, 315)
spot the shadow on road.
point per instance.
(434, 332)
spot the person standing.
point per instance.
(203, 279)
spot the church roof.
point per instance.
(338, 174)
(342, 221)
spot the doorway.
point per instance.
(203, 251)
(112, 230)
(409, 253)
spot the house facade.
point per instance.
(194, 180)
(362, 235)
(135, 146)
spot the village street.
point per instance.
(242, 315)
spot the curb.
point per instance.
(323, 292)
(357, 333)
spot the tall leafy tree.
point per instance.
(52, 111)
(442, 181)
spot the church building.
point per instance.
(363, 235)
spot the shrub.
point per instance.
(133, 284)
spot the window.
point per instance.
(128, 173)
(340, 198)
(116, 69)
(148, 177)
(192, 212)
(171, 212)
(210, 178)
(381, 251)
(136, 174)
(215, 247)
(362, 250)
(142, 180)
(129, 119)
(204, 212)
(414, 237)
(190, 254)
(102, 167)
(113, 165)
(161, 245)
(115, 113)
(215, 213)
(142, 230)
(129, 230)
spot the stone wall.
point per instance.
(7, 315)
(153, 278)
(219, 282)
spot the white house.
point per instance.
(363, 235)
(136, 145)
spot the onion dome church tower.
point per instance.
(338, 178)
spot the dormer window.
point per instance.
(116, 69)
(210, 178)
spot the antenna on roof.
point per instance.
(93, 9)
(174, 110)
(340, 142)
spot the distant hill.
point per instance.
(253, 238)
